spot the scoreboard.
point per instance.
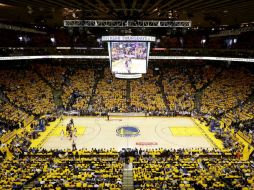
(128, 55)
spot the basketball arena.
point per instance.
(129, 94)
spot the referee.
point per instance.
(107, 116)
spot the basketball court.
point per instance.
(128, 132)
(136, 66)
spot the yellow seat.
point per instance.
(181, 185)
(78, 184)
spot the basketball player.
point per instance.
(71, 134)
(72, 122)
(127, 65)
(61, 118)
(74, 147)
(68, 128)
(75, 132)
(62, 134)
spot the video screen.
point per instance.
(128, 57)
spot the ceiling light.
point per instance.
(155, 9)
(4, 5)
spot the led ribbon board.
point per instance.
(32, 57)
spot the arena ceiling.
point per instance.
(204, 13)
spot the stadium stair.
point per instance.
(128, 93)
(57, 97)
(57, 93)
(250, 98)
(43, 79)
(98, 77)
(164, 97)
(128, 177)
(30, 184)
(247, 152)
(197, 100)
(210, 81)
(190, 77)
(5, 98)
(199, 93)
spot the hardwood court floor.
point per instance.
(129, 132)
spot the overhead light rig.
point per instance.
(128, 23)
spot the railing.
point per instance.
(15, 51)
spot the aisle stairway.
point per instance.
(128, 177)
(57, 97)
(249, 99)
(97, 77)
(43, 78)
(5, 98)
(30, 184)
(128, 93)
(211, 81)
(199, 93)
(198, 100)
(247, 151)
(57, 93)
(164, 96)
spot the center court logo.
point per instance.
(127, 131)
